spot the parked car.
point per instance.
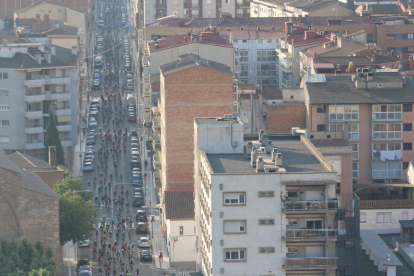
(144, 242)
(139, 202)
(95, 103)
(134, 146)
(134, 140)
(85, 268)
(132, 117)
(90, 140)
(84, 242)
(130, 84)
(141, 214)
(100, 23)
(82, 263)
(136, 179)
(87, 167)
(93, 122)
(90, 148)
(142, 227)
(145, 256)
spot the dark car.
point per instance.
(145, 256)
(138, 201)
(141, 215)
(132, 118)
(90, 140)
(82, 263)
(142, 227)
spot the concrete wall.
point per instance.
(283, 118)
(333, 10)
(181, 247)
(393, 227)
(185, 95)
(75, 18)
(66, 42)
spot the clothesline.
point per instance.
(389, 154)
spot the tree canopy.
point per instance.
(76, 210)
(26, 259)
(52, 139)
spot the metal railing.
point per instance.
(309, 234)
(305, 206)
(58, 92)
(310, 262)
(34, 142)
(34, 92)
(386, 204)
(39, 77)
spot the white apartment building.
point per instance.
(36, 78)
(255, 56)
(262, 207)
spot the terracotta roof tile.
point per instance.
(179, 40)
(179, 205)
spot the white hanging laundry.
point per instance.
(390, 155)
(398, 154)
(383, 155)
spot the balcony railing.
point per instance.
(35, 144)
(309, 234)
(309, 206)
(160, 6)
(387, 204)
(287, 83)
(310, 263)
(157, 179)
(156, 126)
(60, 95)
(156, 162)
(159, 15)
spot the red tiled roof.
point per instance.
(178, 40)
(253, 34)
(320, 49)
(323, 66)
(299, 39)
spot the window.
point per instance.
(387, 169)
(390, 112)
(405, 215)
(355, 170)
(4, 76)
(321, 109)
(405, 165)
(292, 222)
(292, 194)
(355, 151)
(235, 254)
(378, 147)
(407, 127)
(384, 131)
(266, 249)
(4, 92)
(181, 230)
(343, 112)
(4, 107)
(390, 37)
(4, 123)
(321, 127)
(244, 40)
(266, 193)
(407, 146)
(292, 250)
(362, 217)
(369, 38)
(269, 41)
(353, 132)
(266, 221)
(234, 198)
(4, 140)
(384, 217)
(334, 127)
(234, 227)
(314, 224)
(260, 41)
(407, 107)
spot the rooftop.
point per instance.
(179, 204)
(42, 2)
(32, 181)
(216, 121)
(301, 40)
(8, 164)
(321, 143)
(407, 223)
(379, 248)
(185, 39)
(265, 34)
(63, 57)
(27, 161)
(358, 60)
(296, 158)
(342, 90)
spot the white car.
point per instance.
(144, 242)
(93, 122)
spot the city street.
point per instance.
(123, 162)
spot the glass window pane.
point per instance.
(241, 254)
(377, 108)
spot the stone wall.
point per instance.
(51, 177)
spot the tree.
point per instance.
(26, 259)
(52, 139)
(76, 210)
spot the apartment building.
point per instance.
(255, 58)
(190, 87)
(373, 108)
(207, 44)
(36, 78)
(264, 207)
(153, 10)
(298, 8)
(48, 11)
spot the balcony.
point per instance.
(244, 5)
(63, 111)
(36, 129)
(311, 263)
(35, 81)
(160, 6)
(309, 207)
(66, 143)
(64, 127)
(157, 179)
(287, 83)
(34, 96)
(310, 235)
(159, 15)
(59, 80)
(286, 65)
(36, 144)
(59, 96)
(156, 162)
(37, 113)
(156, 143)
(387, 204)
(156, 124)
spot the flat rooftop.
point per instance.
(217, 121)
(296, 158)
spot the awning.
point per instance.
(63, 118)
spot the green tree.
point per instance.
(76, 217)
(52, 139)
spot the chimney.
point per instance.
(370, 76)
(249, 147)
(258, 28)
(373, 57)
(259, 164)
(269, 146)
(48, 57)
(53, 50)
(279, 159)
(241, 28)
(74, 50)
(253, 157)
(261, 132)
(288, 27)
(231, 38)
(61, 25)
(346, 130)
(185, 39)
(310, 34)
(274, 154)
(38, 57)
(264, 139)
(52, 156)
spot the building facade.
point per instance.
(36, 78)
(266, 210)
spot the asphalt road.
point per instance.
(123, 166)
